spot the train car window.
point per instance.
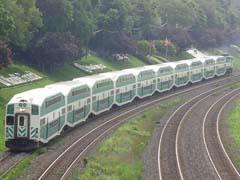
(53, 101)
(94, 98)
(21, 121)
(10, 120)
(69, 108)
(112, 92)
(35, 110)
(88, 100)
(42, 121)
(63, 111)
(10, 109)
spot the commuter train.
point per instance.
(37, 116)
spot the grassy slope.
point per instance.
(120, 156)
(69, 72)
(113, 65)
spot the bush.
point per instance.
(145, 48)
(161, 49)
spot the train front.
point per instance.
(21, 125)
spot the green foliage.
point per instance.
(57, 14)
(161, 49)
(27, 20)
(144, 47)
(6, 22)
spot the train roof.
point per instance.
(35, 96)
(66, 86)
(91, 80)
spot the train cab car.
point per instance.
(209, 68)
(125, 87)
(229, 64)
(78, 101)
(196, 70)
(220, 64)
(102, 87)
(181, 73)
(32, 117)
(146, 81)
(165, 77)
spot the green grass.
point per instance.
(68, 71)
(113, 64)
(120, 156)
(160, 58)
(65, 73)
(233, 124)
(18, 170)
(154, 59)
(236, 61)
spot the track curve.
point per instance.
(221, 162)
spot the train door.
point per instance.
(22, 124)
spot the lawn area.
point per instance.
(120, 156)
(65, 73)
(68, 71)
(112, 64)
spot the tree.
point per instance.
(27, 21)
(53, 49)
(5, 54)
(57, 15)
(7, 24)
(84, 20)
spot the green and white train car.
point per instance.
(34, 116)
(102, 91)
(196, 70)
(165, 77)
(220, 65)
(209, 68)
(125, 86)
(146, 81)
(229, 64)
(39, 115)
(78, 101)
(182, 72)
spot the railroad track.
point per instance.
(169, 159)
(222, 164)
(191, 154)
(62, 165)
(9, 161)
